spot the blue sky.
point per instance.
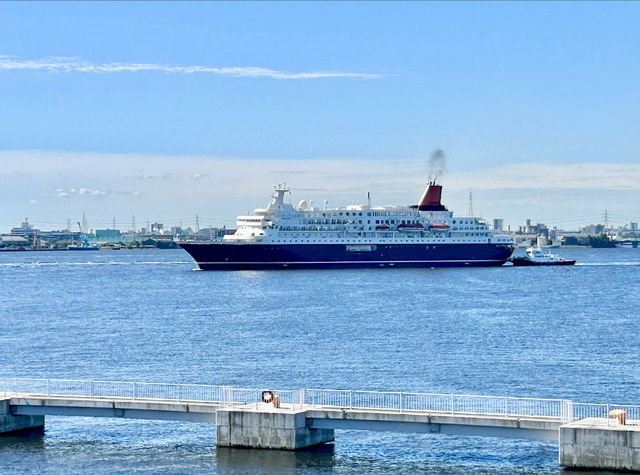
(305, 91)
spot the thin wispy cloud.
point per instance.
(67, 65)
(168, 172)
(64, 193)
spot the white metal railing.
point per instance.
(438, 403)
(111, 389)
(97, 389)
(461, 404)
(602, 413)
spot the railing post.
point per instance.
(568, 411)
(47, 387)
(452, 410)
(91, 388)
(301, 398)
(134, 390)
(179, 393)
(350, 399)
(606, 414)
(506, 407)
(401, 406)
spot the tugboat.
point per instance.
(535, 256)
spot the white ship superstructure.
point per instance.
(428, 222)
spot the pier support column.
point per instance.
(596, 445)
(267, 429)
(12, 423)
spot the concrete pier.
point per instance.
(590, 435)
(599, 444)
(10, 423)
(263, 427)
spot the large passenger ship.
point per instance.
(283, 236)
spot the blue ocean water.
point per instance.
(148, 315)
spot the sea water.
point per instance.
(149, 315)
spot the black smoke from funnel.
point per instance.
(437, 162)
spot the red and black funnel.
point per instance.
(430, 200)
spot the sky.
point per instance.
(171, 109)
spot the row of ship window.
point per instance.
(377, 235)
(328, 221)
(473, 234)
(340, 229)
(394, 221)
(330, 229)
(355, 241)
(358, 214)
(344, 221)
(374, 213)
(468, 221)
(378, 221)
(370, 213)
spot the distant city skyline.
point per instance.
(166, 110)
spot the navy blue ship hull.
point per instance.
(242, 256)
